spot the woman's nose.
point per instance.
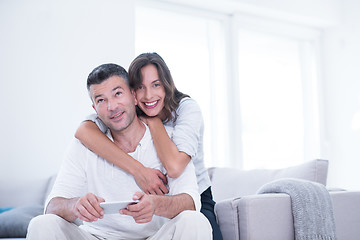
(148, 94)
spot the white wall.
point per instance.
(47, 49)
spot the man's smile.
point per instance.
(117, 116)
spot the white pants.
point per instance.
(188, 225)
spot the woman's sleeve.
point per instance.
(188, 128)
(95, 118)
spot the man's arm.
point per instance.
(87, 208)
(165, 206)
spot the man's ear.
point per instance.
(134, 94)
(94, 108)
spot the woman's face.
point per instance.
(151, 93)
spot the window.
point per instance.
(255, 81)
(191, 45)
(277, 76)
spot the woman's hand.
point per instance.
(151, 181)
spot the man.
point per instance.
(85, 180)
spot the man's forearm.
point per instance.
(171, 206)
(62, 207)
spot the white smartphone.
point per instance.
(114, 207)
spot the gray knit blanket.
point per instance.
(311, 207)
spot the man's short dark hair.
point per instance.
(105, 71)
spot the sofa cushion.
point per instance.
(230, 183)
(14, 223)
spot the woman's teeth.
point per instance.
(151, 103)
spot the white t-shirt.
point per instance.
(83, 171)
(187, 134)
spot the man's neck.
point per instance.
(129, 138)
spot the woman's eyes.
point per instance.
(154, 85)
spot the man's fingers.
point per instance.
(93, 207)
(84, 215)
(96, 205)
(139, 217)
(88, 208)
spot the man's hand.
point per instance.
(143, 211)
(88, 209)
(151, 181)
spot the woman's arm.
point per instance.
(149, 180)
(173, 160)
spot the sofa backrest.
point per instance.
(229, 182)
(23, 192)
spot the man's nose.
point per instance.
(111, 105)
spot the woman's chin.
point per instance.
(150, 113)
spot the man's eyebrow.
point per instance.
(97, 96)
(116, 88)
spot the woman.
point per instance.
(159, 103)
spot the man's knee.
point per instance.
(43, 224)
(195, 221)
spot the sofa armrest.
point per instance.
(228, 218)
(266, 216)
(269, 216)
(346, 205)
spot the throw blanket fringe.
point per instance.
(311, 207)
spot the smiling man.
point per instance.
(85, 180)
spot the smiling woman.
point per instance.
(151, 92)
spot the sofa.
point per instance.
(242, 214)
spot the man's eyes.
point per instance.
(100, 100)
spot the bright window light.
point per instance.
(271, 100)
(183, 40)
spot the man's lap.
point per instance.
(177, 228)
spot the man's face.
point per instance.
(114, 103)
